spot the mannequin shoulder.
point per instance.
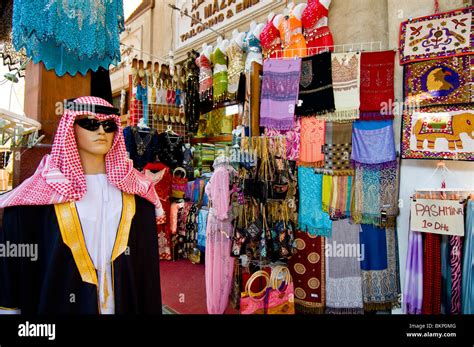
(277, 20)
(298, 10)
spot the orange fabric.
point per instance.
(293, 41)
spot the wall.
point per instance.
(358, 21)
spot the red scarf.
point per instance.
(432, 275)
(376, 85)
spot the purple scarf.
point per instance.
(373, 142)
(413, 297)
(456, 252)
(280, 88)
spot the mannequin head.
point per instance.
(223, 46)
(93, 145)
(270, 16)
(297, 11)
(258, 30)
(235, 33)
(240, 39)
(277, 20)
(206, 50)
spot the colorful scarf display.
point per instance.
(373, 142)
(375, 198)
(343, 274)
(311, 217)
(413, 293)
(380, 271)
(342, 191)
(468, 262)
(326, 197)
(438, 35)
(59, 177)
(316, 91)
(312, 141)
(442, 81)
(337, 149)
(376, 85)
(280, 89)
(346, 86)
(307, 268)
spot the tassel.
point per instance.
(353, 310)
(303, 308)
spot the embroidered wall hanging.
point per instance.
(441, 81)
(439, 35)
(439, 133)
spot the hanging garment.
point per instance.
(162, 180)
(376, 85)
(270, 40)
(219, 75)
(192, 101)
(373, 142)
(236, 67)
(279, 93)
(375, 194)
(316, 92)
(455, 262)
(63, 34)
(316, 31)
(343, 275)
(432, 275)
(468, 262)
(219, 232)
(142, 146)
(337, 149)
(292, 139)
(342, 191)
(380, 269)
(202, 225)
(311, 142)
(413, 293)
(205, 83)
(326, 195)
(346, 86)
(307, 268)
(170, 150)
(254, 52)
(446, 281)
(311, 217)
(292, 39)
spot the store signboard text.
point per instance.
(211, 13)
(445, 217)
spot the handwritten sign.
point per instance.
(445, 217)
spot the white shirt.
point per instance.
(99, 212)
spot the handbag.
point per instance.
(240, 237)
(254, 303)
(178, 184)
(280, 297)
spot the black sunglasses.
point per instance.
(93, 124)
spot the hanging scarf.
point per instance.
(343, 275)
(468, 262)
(346, 85)
(376, 85)
(446, 282)
(375, 198)
(316, 91)
(326, 197)
(413, 293)
(337, 149)
(279, 93)
(311, 142)
(380, 271)
(292, 139)
(373, 142)
(311, 217)
(342, 191)
(456, 252)
(60, 178)
(436, 82)
(307, 268)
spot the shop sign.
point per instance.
(214, 13)
(445, 217)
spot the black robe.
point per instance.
(54, 282)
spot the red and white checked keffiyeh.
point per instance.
(60, 178)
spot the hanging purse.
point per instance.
(240, 237)
(178, 184)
